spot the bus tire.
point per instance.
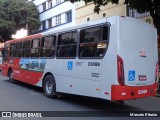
(10, 75)
(49, 86)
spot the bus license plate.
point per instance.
(142, 92)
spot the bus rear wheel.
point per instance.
(10, 75)
(49, 86)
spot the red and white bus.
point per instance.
(114, 58)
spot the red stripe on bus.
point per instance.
(132, 92)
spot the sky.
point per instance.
(20, 33)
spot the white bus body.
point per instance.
(126, 69)
(134, 41)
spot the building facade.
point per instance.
(106, 11)
(55, 14)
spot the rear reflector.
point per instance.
(120, 71)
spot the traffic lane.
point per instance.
(148, 103)
(30, 98)
(21, 96)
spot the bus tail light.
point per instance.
(157, 72)
(120, 71)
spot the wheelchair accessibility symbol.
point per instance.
(131, 75)
(70, 65)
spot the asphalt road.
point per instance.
(23, 97)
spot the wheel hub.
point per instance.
(49, 86)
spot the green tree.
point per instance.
(15, 15)
(152, 6)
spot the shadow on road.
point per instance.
(98, 104)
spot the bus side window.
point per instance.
(26, 48)
(12, 50)
(25, 53)
(5, 54)
(67, 43)
(18, 51)
(93, 42)
(48, 46)
(35, 48)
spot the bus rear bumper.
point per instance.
(127, 92)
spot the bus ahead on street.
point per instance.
(113, 58)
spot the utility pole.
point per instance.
(27, 19)
(27, 24)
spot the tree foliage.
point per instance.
(15, 15)
(152, 6)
